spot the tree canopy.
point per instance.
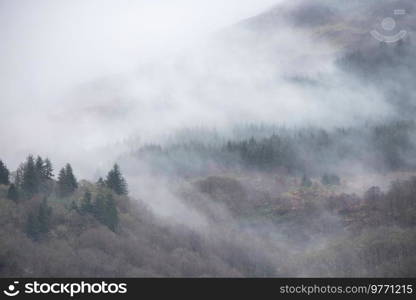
(116, 182)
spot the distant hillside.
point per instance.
(373, 41)
(346, 23)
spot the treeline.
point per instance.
(94, 232)
(311, 151)
(33, 182)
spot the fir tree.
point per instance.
(86, 204)
(42, 172)
(48, 170)
(62, 183)
(105, 210)
(4, 174)
(116, 182)
(30, 182)
(18, 178)
(99, 207)
(72, 181)
(67, 182)
(39, 167)
(111, 214)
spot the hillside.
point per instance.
(282, 145)
(297, 228)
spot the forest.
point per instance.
(382, 147)
(304, 223)
(177, 138)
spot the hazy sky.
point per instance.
(49, 42)
(78, 77)
(48, 47)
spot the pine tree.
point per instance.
(30, 182)
(116, 182)
(44, 169)
(86, 204)
(62, 183)
(41, 173)
(4, 174)
(111, 214)
(99, 207)
(18, 178)
(105, 210)
(48, 170)
(12, 193)
(39, 167)
(72, 181)
(67, 182)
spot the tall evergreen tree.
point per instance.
(67, 182)
(62, 182)
(72, 181)
(105, 210)
(13, 193)
(4, 174)
(111, 213)
(40, 173)
(39, 167)
(18, 177)
(86, 203)
(30, 181)
(48, 169)
(116, 182)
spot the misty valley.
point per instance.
(281, 205)
(279, 141)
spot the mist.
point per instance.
(51, 49)
(91, 75)
(256, 138)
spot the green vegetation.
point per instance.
(315, 151)
(4, 174)
(66, 227)
(116, 182)
(67, 183)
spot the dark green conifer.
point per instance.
(116, 182)
(67, 182)
(86, 203)
(105, 210)
(48, 169)
(30, 180)
(4, 174)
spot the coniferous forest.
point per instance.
(208, 139)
